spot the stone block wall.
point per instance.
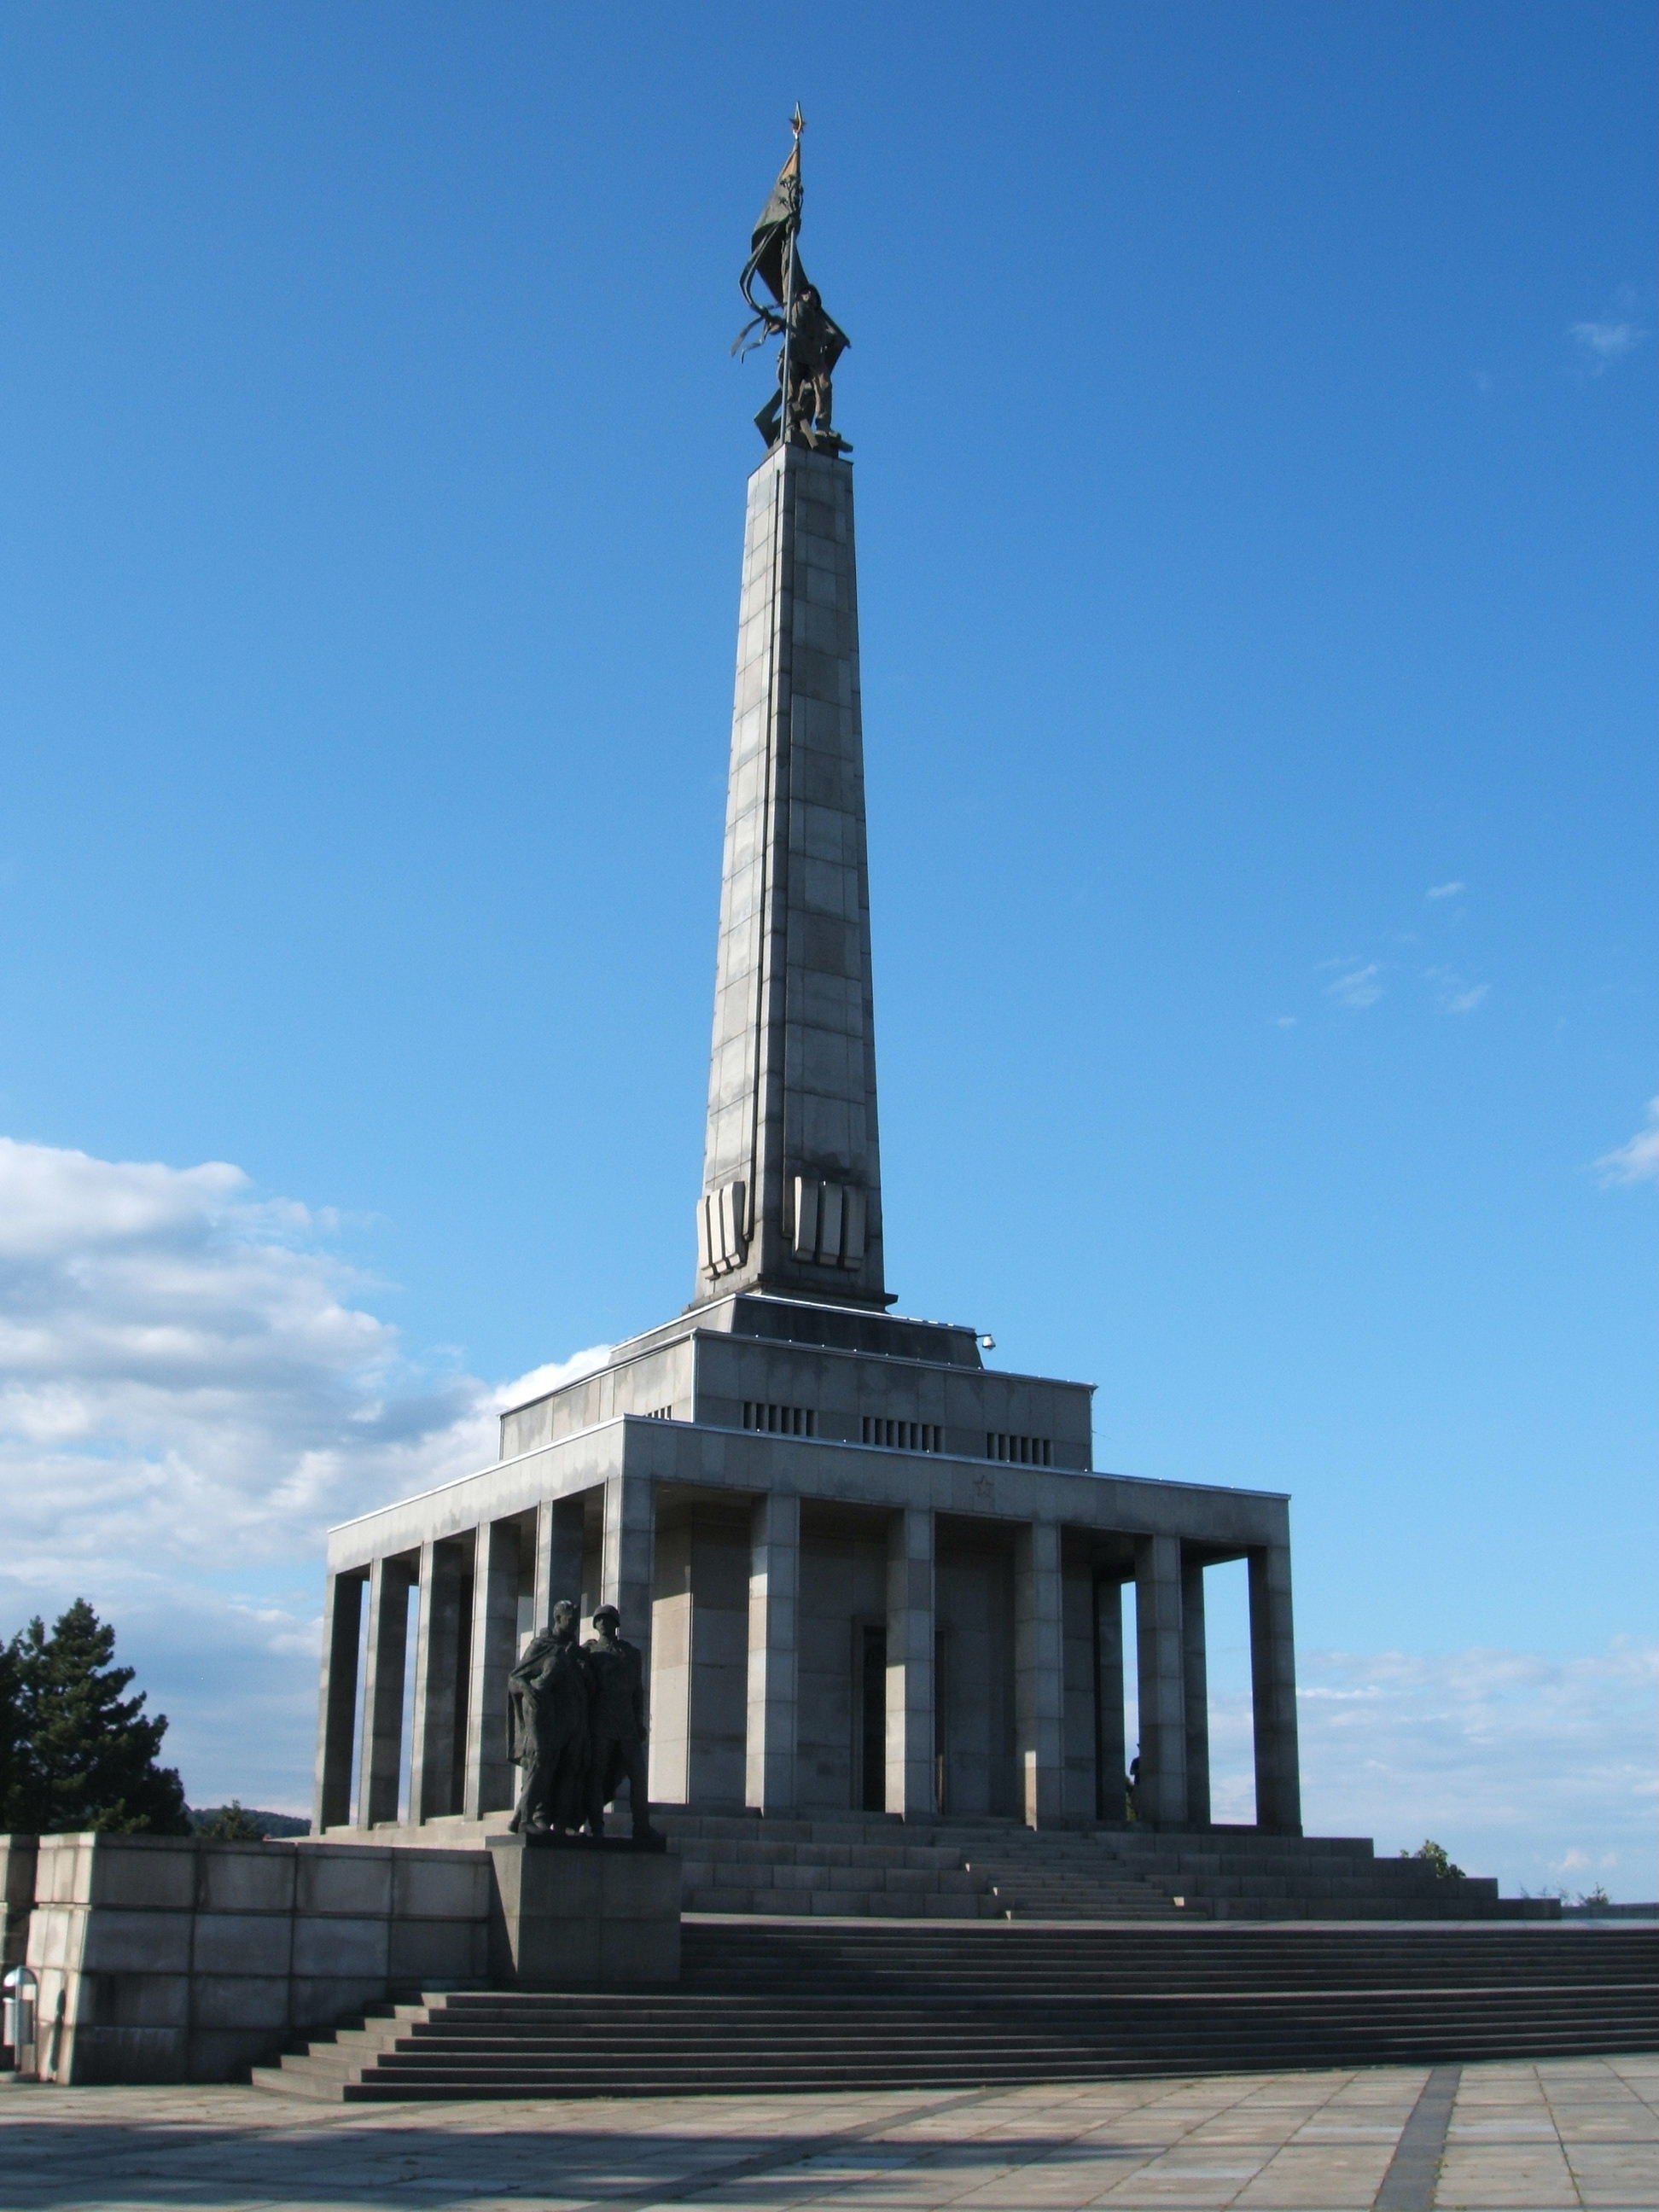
(17, 1858)
(168, 1958)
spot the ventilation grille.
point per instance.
(902, 1436)
(661, 1413)
(1023, 1451)
(780, 1420)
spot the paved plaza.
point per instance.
(1562, 2132)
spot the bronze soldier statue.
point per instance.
(617, 1741)
(816, 344)
(549, 1700)
(799, 413)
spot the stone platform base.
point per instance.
(572, 1913)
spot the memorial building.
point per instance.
(870, 1573)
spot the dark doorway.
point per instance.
(872, 1719)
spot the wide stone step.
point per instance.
(762, 1873)
(923, 2060)
(875, 2048)
(864, 1903)
(1069, 1874)
(749, 1852)
(801, 2005)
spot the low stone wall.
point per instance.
(169, 1959)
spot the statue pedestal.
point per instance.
(570, 1912)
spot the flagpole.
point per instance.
(797, 123)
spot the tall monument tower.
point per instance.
(867, 1574)
(792, 1176)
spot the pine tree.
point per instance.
(84, 1756)
(11, 1723)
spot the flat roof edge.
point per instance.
(811, 1443)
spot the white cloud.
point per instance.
(1531, 1768)
(190, 1395)
(1601, 345)
(1284, 1021)
(1359, 986)
(1444, 891)
(1638, 1160)
(1456, 995)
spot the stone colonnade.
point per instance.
(481, 1589)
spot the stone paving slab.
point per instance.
(1563, 2133)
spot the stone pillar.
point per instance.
(630, 1543)
(1039, 1672)
(559, 1523)
(672, 1622)
(774, 1594)
(336, 1716)
(627, 1574)
(1195, 1693)
(1162, 1795)
(1110, 1766)
(1272, 1687)
(389, 1583)
(911, 1786)
(494, 1647)
(434, 1783)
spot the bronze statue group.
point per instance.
(577, 1726)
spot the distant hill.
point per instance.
(268, 1824)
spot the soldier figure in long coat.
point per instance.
(549, 1700)
(617, 1746)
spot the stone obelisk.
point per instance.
(792, 1179)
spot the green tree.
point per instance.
(11, 1724)
(1438, 1857)
(82, 1754)
(230, 1824)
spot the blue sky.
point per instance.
(1253, 422)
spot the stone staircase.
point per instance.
(787, 2006)
(871, 1866)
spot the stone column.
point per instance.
(630, 1544)
(1273, 1687)
(494, 1647)
(383, 1691)
(343, 1628)
(1195, 1693)
(1162, 1796)
(559, 1523)
(774, 1594)
(672, 1623)
(627, 1573)
(438, 1657)
(911, 1788)
(1110, 1768)
(1039, 1672)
